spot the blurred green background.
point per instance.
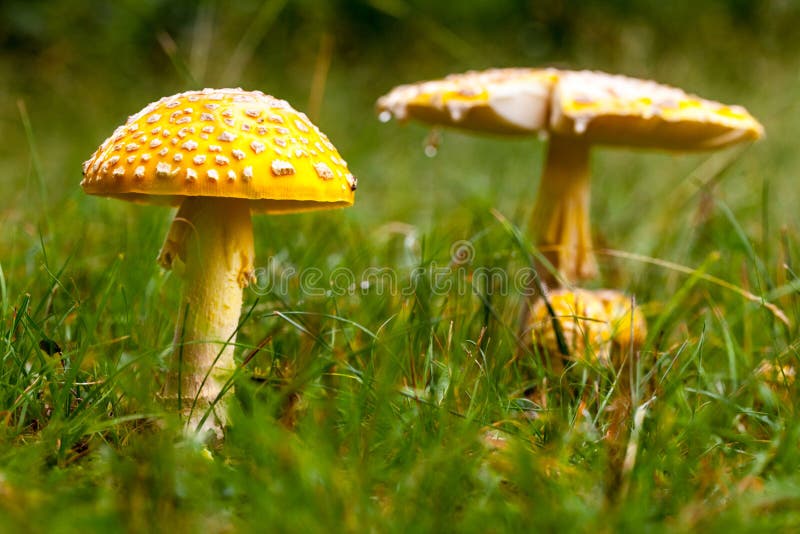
(81, 67)
(76, 70)
(361, 455)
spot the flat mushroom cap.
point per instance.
(618, 110)
(221, 143)
(504, 101)
(598, 107)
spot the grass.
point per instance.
(366, 409)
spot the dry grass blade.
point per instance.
(761, 301)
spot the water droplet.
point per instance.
(432, 143)
(581, 123)
(385, 116)
(457, 111)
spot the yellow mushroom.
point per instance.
(576, 110)
(594, 324)
(220, 155)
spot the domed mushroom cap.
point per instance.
(598, 107)
(505, 101)
(618, 110)
(593, 323)
(221, 143)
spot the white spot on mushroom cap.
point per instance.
(130, 147)
(191, 175)
(199, 159)
(231, 175)
(238, 154)
(118, 172)
(281, 168)
(323, 171)
(163, 169)
(247, 173)
(301, 125)
(257, 146)
(155, 143)
(226, 136)
(221, 160)
(138, 173)
(189, 145)
(212, 174)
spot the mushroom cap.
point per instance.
(504, 101)
(597, 107)
(619, 110)
(594, 323)
(221, 143)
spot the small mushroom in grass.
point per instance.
(219, 155)
(598, 326)
(577, 110)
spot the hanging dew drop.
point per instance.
(385, 116)
(581, 123)
(432, 143)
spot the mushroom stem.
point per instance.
(214, 239)
(560, 219)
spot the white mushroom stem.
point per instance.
(560, 219)
(214, 239)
